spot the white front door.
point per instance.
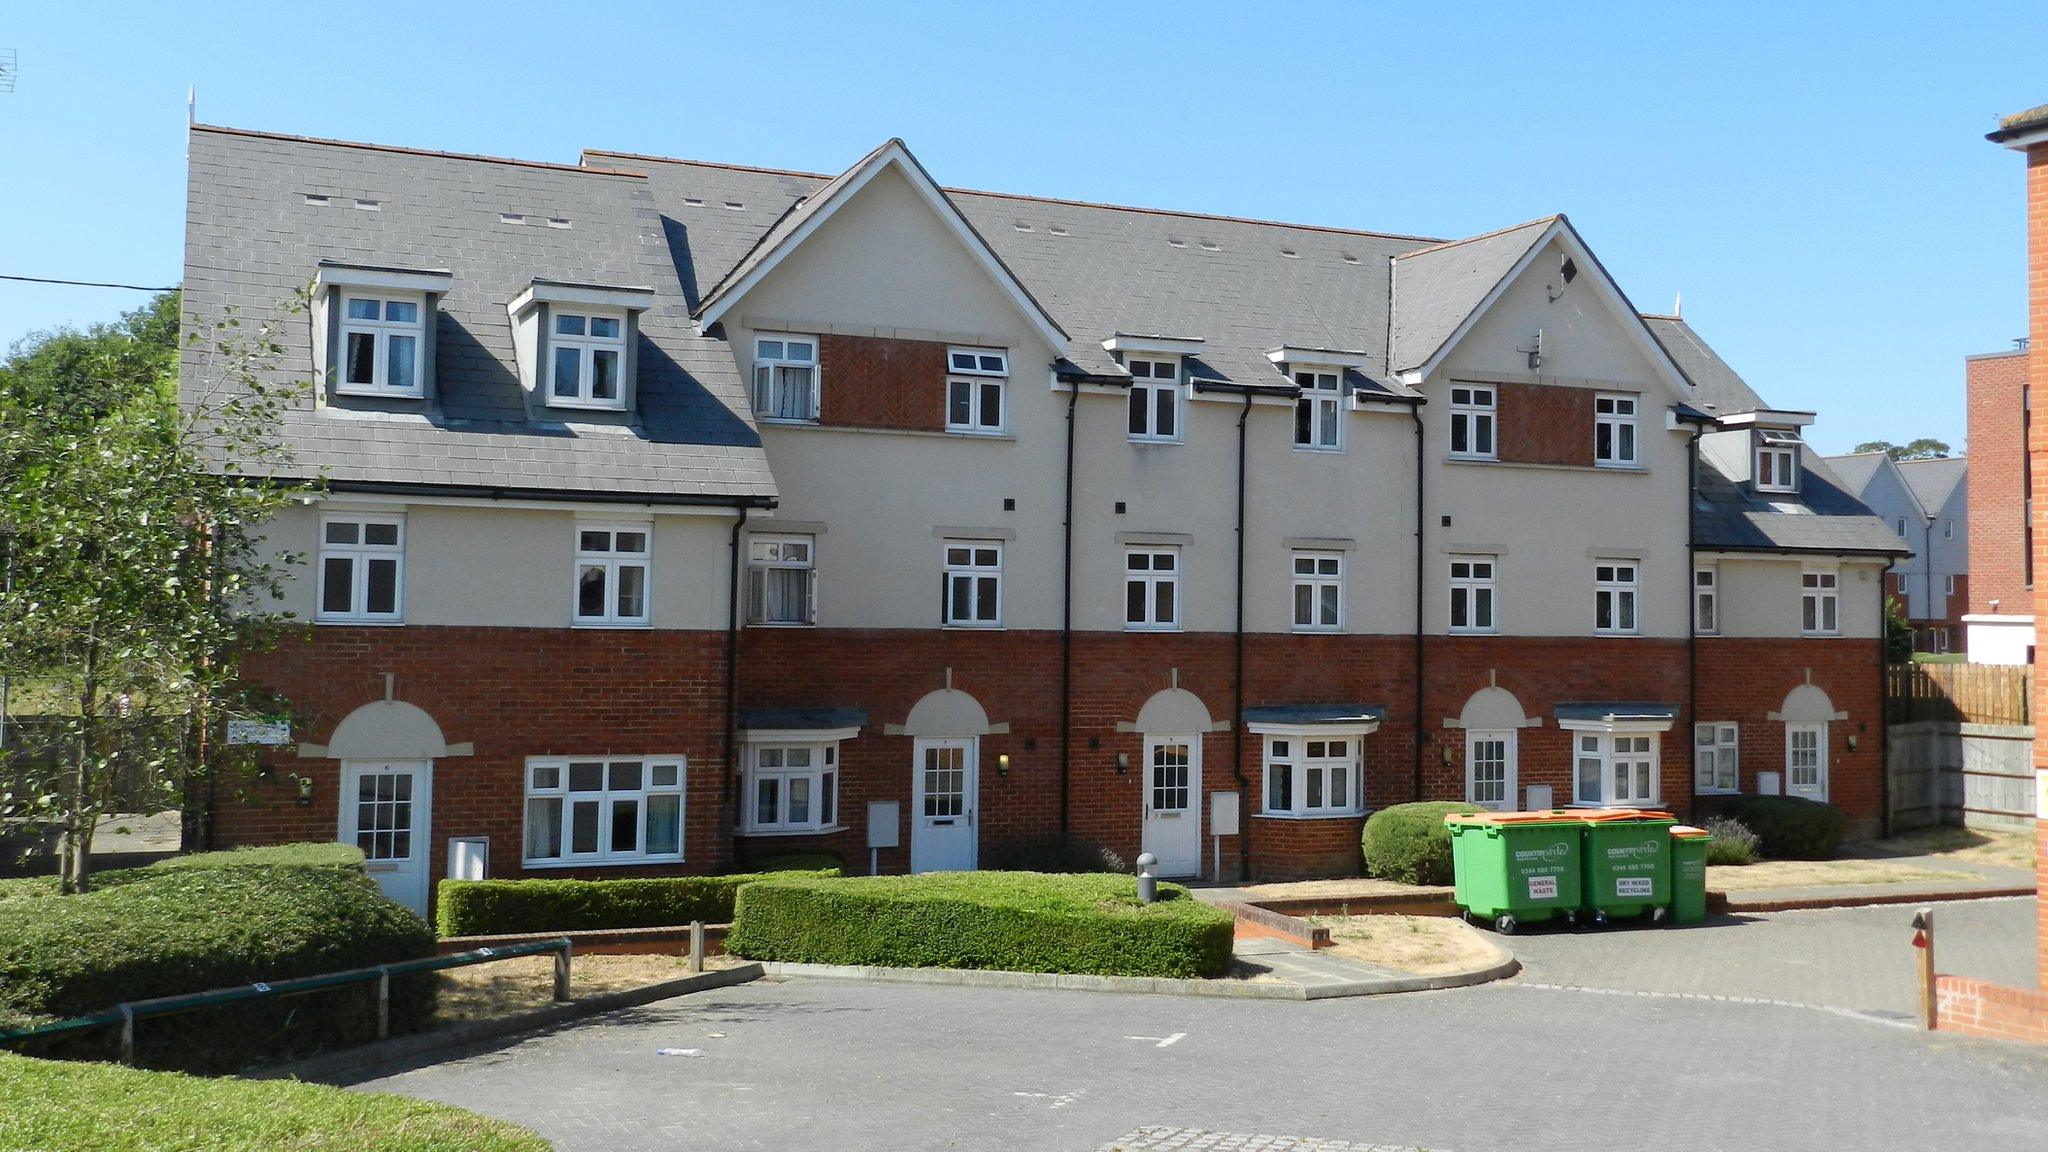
(1490, 769)
(1173, 804)
(384, 807)
(1806, 761)
(942, 805)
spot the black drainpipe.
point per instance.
(1927, 570)
(732, 702)
(1692, 618)
(1244, 838)
(1884, 727)
(1067, 624)
(1415, 414)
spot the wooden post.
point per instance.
(128, 1035)
(562, 974)
(1923, 941)
(696, 945)
(383, 1003)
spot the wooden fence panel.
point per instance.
(1959, 693)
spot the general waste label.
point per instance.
(1542, 887)
(1632, 886)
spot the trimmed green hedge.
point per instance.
(113, 1109)
(195, 929)
(500, 907)
(346, 857)
(1790, 827)
(1408, 843)
(1013, 921)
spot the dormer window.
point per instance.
(381, 338)
(1155, 398)
(589, 349)
(1318, 420)
(1777, 462)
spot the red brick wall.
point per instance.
(1545, 424)
(1744, 680)
(870, 382)
(1995, 388)
(1981, 1008)
(513, 693)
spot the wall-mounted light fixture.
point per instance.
(1123, 763)
(1003, 764)
(1852, 741)
(305, 786)
(1443, 752)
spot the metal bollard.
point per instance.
(562, 974)
(1148, 883)
(696, 945)
(383, 1002)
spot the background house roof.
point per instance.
(1934, 481)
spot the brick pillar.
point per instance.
(2037, 449)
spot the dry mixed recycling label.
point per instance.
(1632, 885)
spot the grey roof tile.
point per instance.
(1437, 287)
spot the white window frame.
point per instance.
(1147, 390)
(1716, 757)
(1287, 758)
(381, 332)
(1820, 601)
(1611, 589)
(1477, 736)
(1319, 411)
(1473, 587)
(1948, 529)
(1616, 414)
(770, 553)
(1777, 465)
(587, 348)
(611, 561)
(977, 370)
(1478, 419)
(820, 779)
(1609, 747)
(1325, 572)
(1706, 600)
(772, 369)
(1902, 527)
(975, 563)
(1151, 577)
(360, 555)
(567, 800)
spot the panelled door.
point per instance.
(1490, 769)
(384, 811)
(1806, 760)
(1173, 803)
(943, 786)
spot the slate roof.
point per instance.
(802, 719)
(1438, 286)
(1934, 481)
(1716, 388)
(1306, 714)
(1614, 710)
(253, 239)
(1856, 470)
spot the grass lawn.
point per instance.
(1423, 945)
(1963, 845)
(1929, 856)
(1823, 873)
(60, 1107)
(503, 987)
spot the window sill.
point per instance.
(361, 393)
(918, 433)
(981, 433)
(1652, 803)
(970, 628)
(581, 406)
(1820, 635)
(1152, 628)
(1496, 462)
(783, 833)
(1308, 815)
(350, 621)
(782, 623)
(1472, 632)
(1154, 441)
(1617, 635)
(540, 865)
(1717, 791)
(1599, 466)
(613, 625)
(1322, 448)
(785, 421)
(1303, 630)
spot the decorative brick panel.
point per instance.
(871, 382)
(1545, 424)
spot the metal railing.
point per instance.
(127, 1013)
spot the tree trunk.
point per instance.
(78, 820)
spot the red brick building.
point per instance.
(681, 514)
(1998, 612)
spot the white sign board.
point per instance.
(1222, 813)
(469, 857)
(882, 820)
(1540, 798)
(259, 732)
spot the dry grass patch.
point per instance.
(1422, 945)
(505, 987)
(1964, 846)
(1824, 873)
(1354, 888)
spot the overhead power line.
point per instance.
(87, 283)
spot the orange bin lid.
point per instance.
(1502, 819)
(1688, 832)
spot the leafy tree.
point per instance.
(135, 564)
(1925, 448)
(1898, 634)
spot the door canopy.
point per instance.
(1807, 704)
(388, 730)
(947, 712)
(1490, 708)
(1173, 710)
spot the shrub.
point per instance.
(192, 930)
(1733, 842)
(1053, 854)
(499, 907)
(346, 857)
(828, 862)
(1013, 921)
(1789, 827)
(1409, 843)
(113, 1109)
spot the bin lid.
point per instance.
(1517, 819)
(1688, 832)
(1619, 815)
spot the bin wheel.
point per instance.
(1571, 918)
(1599, 918)
(1660, 915)
(1504, 924)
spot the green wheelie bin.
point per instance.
(1689, 874)
(1516, 868)
(1627, 857)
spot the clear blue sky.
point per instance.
(1813, 176)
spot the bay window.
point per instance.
(791, 787)
(1614, 767)
(1312, 775)
(601, 810)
